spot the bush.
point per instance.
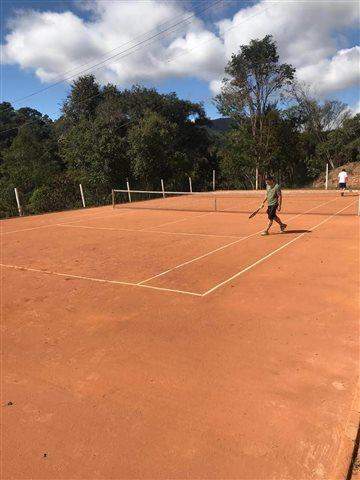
(61, 194)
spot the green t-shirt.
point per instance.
(272, 194)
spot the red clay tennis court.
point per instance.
(171, 340)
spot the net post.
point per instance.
(190, 185)
(18, 202)
(327, 177)
(113, 197)
(256, 178)
(128, 190)
(214, 181)
(162, 187)
(82, 195)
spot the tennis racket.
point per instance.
(255, 212)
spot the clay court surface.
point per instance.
(148, 344)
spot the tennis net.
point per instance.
(316, 202)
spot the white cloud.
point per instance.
(337, 73)
(356, 108)
(52, 43)
(312, 36)
(215, 86)
(307, 34)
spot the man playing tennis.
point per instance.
(342, 181)
(274, 199)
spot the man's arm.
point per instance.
(279, 196)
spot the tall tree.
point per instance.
(83, 99)
(252, 87)
(151, 150)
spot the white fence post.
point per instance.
(82, 195)
(128, 189)
(18, 202)
(327, 177)
(162, 187)
(190, 185)
(214, 181)
(256, 178)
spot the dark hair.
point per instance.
(343, 170)
(269, 177)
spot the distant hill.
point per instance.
(220, 124)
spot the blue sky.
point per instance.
(43, 39)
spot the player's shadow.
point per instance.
(287, 232)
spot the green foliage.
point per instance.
(84, 97)
(61, 194)
(343, 144)
(151, 151)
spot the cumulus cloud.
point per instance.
(337, 73)
(310, 35)
(52, 43)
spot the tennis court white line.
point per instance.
(146, 231)
(101, 280)
(27, 229)
(86, 214)
(79, 219)
(54, 224)
(272, 253)
(224, 246)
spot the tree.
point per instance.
(316, 118)
(82, 101)
(343, 144)
(151, 151)
(252, 86)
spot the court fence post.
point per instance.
(214, 181)
(327, 177)
(256, 178)
(162, 187)
(18, 202)
(128, 190)
(82, 195)
(190, 185)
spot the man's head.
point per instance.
(269, 179)
(343, 170)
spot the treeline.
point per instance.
(106, 136)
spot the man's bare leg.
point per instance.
(282, 225)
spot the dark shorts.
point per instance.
(342, 185)
(271, 211)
